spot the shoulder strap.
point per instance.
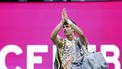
(77, 42)
(80, 44)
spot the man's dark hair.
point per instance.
(65, 23)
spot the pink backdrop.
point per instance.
(24, 24)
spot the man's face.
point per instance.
(67, 29)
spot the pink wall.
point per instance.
(31, 23)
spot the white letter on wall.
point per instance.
(114, 58)
(31, 59)
(7, 49)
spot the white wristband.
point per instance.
(69, 21)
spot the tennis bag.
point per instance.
(90, 60)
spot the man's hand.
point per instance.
(64, 15)
(63, 18)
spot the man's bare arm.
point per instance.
(54, 36)
(80, 33)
